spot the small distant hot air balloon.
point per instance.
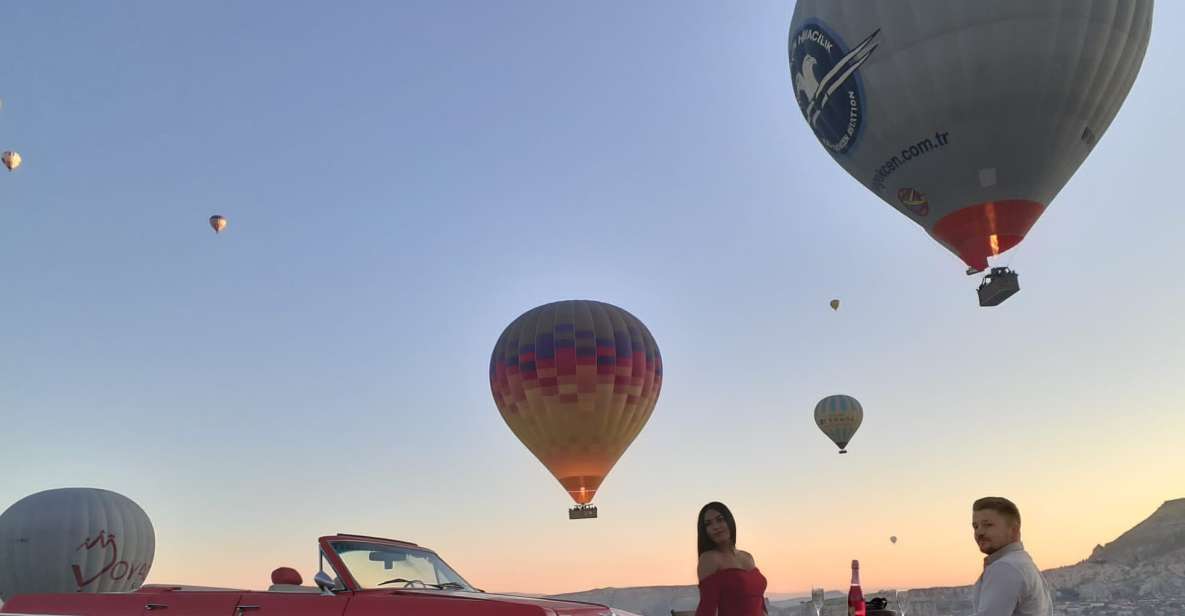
(218, 223)
(74, 540)
(835, 304)
(893, 539)
(576, 381)
(11, 159)
(839, 417)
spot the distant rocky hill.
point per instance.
(1162, 534)
(646, 600)
(660, 600)
(1145, 563)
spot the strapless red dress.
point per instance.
(732, 592)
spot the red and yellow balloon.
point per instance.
(576, 382)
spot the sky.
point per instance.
(404, 179)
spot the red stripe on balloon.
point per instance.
(987, 229)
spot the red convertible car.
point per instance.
(357, 576)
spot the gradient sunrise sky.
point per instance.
(404, 179)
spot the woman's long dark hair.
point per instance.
(704, 542)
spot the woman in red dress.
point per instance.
(729, 582)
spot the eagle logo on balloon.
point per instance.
(828, 93)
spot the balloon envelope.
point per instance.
(835, 304)
(893, 539)
(576, 381)
(218, 223)
(966, 116)
(74, 540)
(11, 160)
(839, 417)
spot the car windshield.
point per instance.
(378, 565)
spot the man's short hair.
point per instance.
(1000, 505)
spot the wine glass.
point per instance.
(817, 600)
(903, 602)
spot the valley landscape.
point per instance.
(1140, 573)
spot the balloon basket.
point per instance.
(998, 286)
(582, 512)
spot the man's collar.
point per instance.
(1015, 546)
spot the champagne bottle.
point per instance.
(855, 595)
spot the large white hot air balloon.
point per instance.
(966, 116)
(74, 540)
(839, 417)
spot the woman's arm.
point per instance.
(709, 587)
(709, 597)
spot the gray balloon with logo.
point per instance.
(966, 116)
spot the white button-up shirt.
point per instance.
(1011, 585)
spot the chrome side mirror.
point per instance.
(324, 582)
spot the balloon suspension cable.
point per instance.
(1006, 259)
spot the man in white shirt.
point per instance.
(1011, 584)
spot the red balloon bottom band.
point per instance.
(987, 229)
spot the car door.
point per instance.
(428, 603)
(77, 604)
(192, 603)
(275, 603)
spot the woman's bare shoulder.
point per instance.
(709, 563)
(747, 560)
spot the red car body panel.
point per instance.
(75, 603)
(176, 603)
(157, 600)
(263, 603)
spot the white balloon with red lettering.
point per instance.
(74, 540)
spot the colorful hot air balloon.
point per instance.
(218, 223)
(74, 540)
(839, 417)
(576, 381)
(11, 159)
(966, 116)
(835, 304)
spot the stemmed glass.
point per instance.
(817, 600)
(903, 602)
